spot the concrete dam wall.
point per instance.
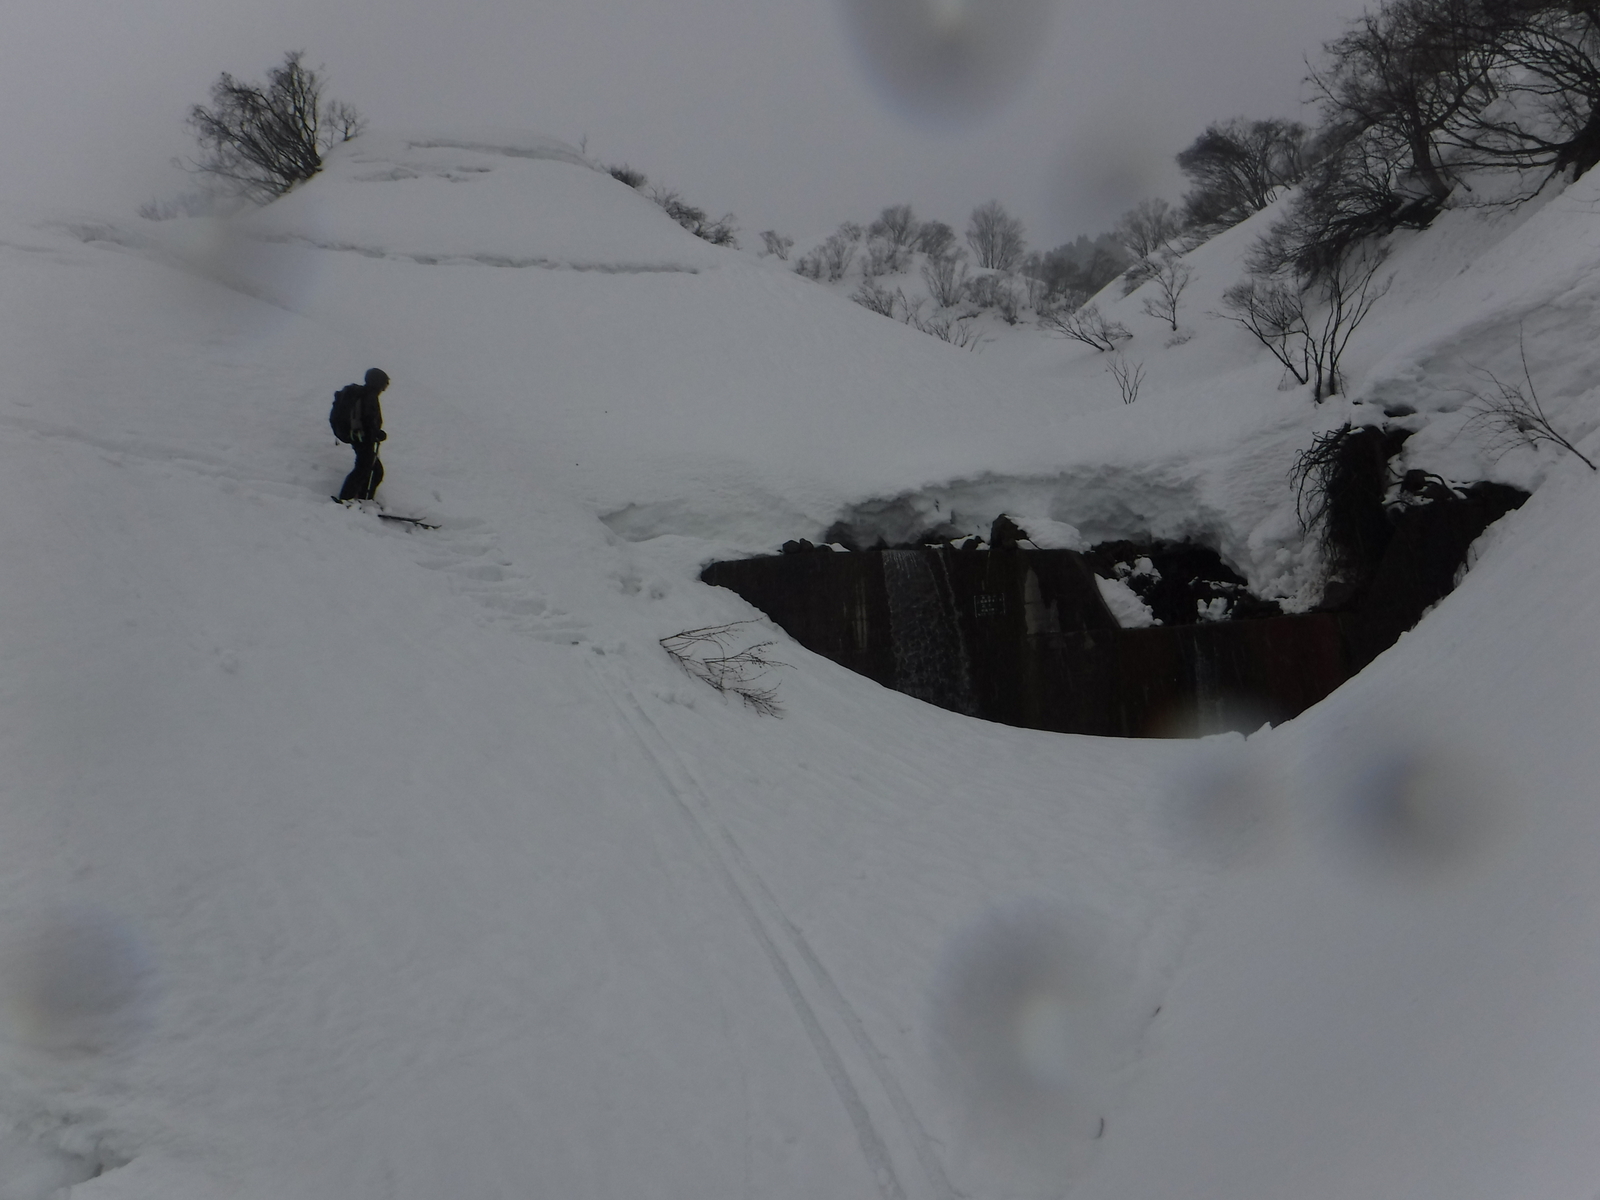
(1023, 637)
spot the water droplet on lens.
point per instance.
(1229, 803)
(77, 979)
(948, 58)
(1025, 1035)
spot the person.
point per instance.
(366, 431)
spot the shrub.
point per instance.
(935, 239)
(1148, 228)
(872, 295)
(1169, 276)
(626, 174)
(776, 244)
(995, 237)
(885, 257)
(837, 253)
(946, 277)
(897, 225)
(1087, 325)
(259, 140)
(719, 232)
(1234, 167)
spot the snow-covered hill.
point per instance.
(342, 859)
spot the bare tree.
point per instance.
(897, 225)
(1087, 325)
(946, 277)
(836, 254)
(1234, 167)
(1129, 375)
(1081, 266)
(995, 237)
(1406, 72)
(935, 238)
(1548, 67)
(1279, 313)
(1348, 292)
(1148, 228)
(1513, 417)
(1275, 314)
(885, 256)
(259, 140)
(1169, 276)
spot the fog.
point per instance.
(790, 115)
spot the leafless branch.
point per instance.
(1171, 276)
(1512, 416)
(1129, 375)
(1087, 325)
(711, 655)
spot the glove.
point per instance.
(380, 436)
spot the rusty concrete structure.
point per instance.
(1023, 637)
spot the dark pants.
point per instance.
(362, 482)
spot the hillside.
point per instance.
(340, 859)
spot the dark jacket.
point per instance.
(366, 424)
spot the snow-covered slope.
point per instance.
(340, 859)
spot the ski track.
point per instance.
(469, 553)
(751, 895)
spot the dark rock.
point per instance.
(1180, 577)
(840, 534)
(1424, 556)
(1005, 533)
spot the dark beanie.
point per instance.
(377, 379)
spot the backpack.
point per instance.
(345, 415)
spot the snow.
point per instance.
(345, 859)
(1125, 604)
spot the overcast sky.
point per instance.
(794, 114)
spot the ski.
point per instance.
(358, 505)
(417, 521)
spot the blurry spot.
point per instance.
(1024, 1031)
(232, 253)
(1211, 713)
(1416, 803)
(948, 58)
(1229, 804)
(78, 979)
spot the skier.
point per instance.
(358, 419)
